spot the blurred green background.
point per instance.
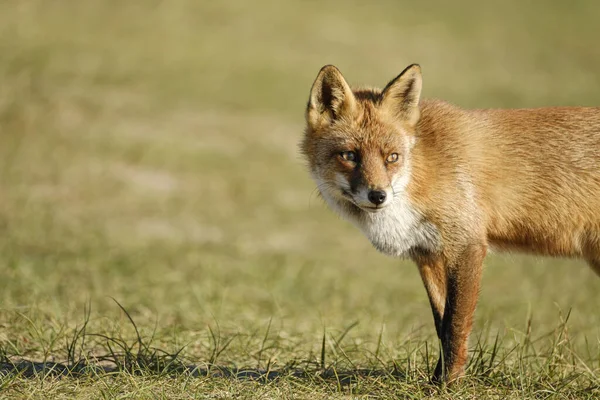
(148, 152)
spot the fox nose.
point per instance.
(377, 197)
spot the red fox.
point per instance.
(438, 184)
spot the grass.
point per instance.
(148, 155)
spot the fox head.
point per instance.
(358, 142)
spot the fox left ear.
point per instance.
(401, 96)
(330, 97)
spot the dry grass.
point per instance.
(148, 154)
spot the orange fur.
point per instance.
(522, 179)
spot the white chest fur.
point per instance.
(394, 230)
(397, 229)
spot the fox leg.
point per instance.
(594, 264)
(592, 252)
(462, 278)
(433, 274)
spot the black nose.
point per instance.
(377, 197)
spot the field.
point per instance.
(160, 236)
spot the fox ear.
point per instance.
(330, 97)
(401, 96)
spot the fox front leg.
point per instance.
(433, 274)
(452, 286)
(463, 276)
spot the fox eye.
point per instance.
(392, 158)
(348, 156)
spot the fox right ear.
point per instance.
(330, 97)
(401, 96)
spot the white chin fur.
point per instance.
(397, 229)
(394, 229)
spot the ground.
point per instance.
(150, 180)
